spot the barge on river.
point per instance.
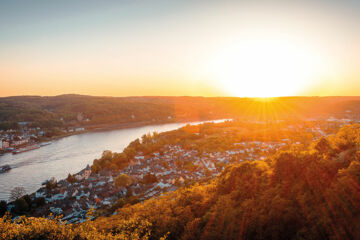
(27, 148)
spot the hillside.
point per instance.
(309, 192)
(72, 110)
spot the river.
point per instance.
(68, 155)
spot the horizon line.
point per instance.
(180, 96)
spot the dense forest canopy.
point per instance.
(297, 193)
(65, 109)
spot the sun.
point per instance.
(264, 68)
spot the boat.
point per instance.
(45, 144)
(27, 148)
(5, 168)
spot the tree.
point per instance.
(71, 178)
(27, 200)
(52, 183)
(150, 178)
(123, 181)
(323, 145)
(120, 161)
(16, 193)
(40, 201)
(95, 168)
(3, 208)
(130, 152)
(21, 206)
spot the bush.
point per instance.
(21, 206)
(52, 183)
(40, 201)
(3, 208)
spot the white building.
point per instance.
(4, 144)
(79, 129)
(85, 174)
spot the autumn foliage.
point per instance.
(311, 193)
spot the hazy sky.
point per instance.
(208, 48)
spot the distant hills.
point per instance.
(71, 109)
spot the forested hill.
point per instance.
(294, 194)
(298, 193)
(63, 110)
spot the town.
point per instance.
(27, 137)
(152, 174)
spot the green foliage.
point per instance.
(8, 125)
(46, 112)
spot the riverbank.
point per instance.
(73, 197)
(69, 155)
(126, 125)
(91, 128)
(110, 127)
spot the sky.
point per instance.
(194, 48)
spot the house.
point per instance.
(84, 174)
(56, 211)
(79, 129)
(41, 133)
(58, 196)
(39, 194)
(17, 141)
(139, 157)
(23, 124)
(80, 117)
